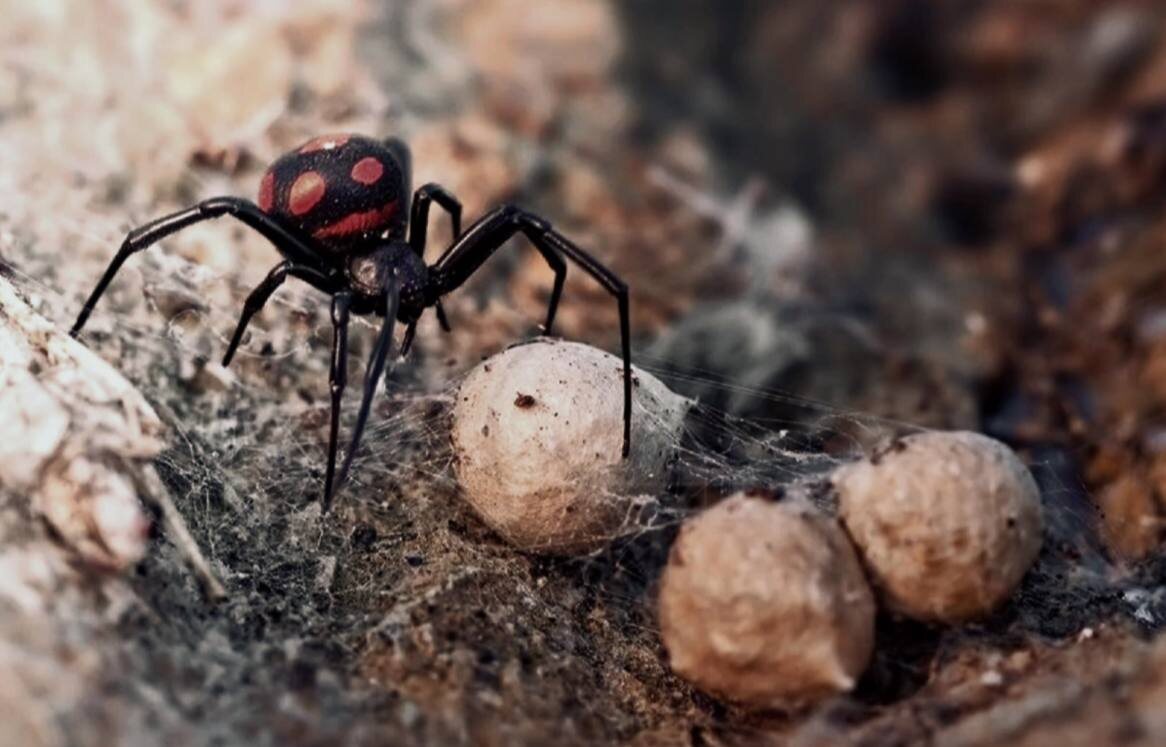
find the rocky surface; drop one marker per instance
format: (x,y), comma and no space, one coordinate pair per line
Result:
(840,222)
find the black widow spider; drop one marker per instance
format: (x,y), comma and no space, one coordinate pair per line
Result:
(335,208)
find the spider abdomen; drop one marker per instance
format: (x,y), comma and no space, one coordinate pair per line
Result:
(343,190)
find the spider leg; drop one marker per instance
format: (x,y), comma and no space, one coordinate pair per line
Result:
(527,223)
(560,269)
(419,228)
(482,239)
(263,292)
(442,319)
(407,345)
(372,374)
(338,379)
(407,340)
(419,217)
(289,244)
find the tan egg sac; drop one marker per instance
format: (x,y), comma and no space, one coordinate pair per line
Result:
(946,522)
(765,604)
(538,436)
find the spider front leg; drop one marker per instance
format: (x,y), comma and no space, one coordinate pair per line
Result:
(290,245)
(372,374)
(337,380)
(490,232)
(263,292)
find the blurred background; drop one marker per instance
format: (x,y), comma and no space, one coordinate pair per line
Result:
(916,213)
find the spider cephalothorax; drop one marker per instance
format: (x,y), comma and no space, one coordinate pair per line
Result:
(337,208)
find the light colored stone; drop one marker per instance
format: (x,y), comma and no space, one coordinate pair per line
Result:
(72,425)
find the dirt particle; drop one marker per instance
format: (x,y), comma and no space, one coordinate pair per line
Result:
(895,446)
(302,675)
(363,536)
(767,494)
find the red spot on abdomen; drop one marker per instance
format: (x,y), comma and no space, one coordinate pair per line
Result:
(306,191)
(267,192)
(324,142)
(368,170)
(358,222)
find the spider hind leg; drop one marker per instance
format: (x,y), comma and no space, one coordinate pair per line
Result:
(494,229)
